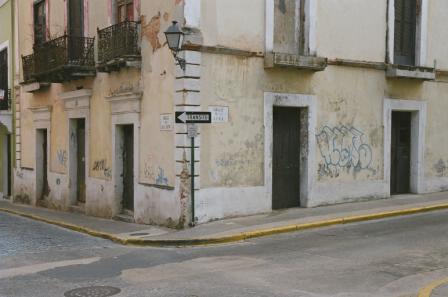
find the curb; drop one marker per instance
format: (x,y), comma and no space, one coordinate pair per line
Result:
(230,238)
(427,291)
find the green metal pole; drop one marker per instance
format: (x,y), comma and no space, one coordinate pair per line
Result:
(193,220)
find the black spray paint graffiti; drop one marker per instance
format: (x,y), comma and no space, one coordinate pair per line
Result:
(101,165)
(342,147)
(441,168)
(62,157)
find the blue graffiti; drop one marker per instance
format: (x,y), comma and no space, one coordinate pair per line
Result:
(62,157)
(344,147)
(161,180)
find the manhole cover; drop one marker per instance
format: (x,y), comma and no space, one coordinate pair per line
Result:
(93,292)
(139,234)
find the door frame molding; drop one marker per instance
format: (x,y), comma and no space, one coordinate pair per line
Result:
(42,121)
(418,123)
(307,178)
(77,106)
(125,110)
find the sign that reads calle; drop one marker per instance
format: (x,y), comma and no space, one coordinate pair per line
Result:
(193,117)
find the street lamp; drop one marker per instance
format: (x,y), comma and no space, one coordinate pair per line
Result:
(175,40)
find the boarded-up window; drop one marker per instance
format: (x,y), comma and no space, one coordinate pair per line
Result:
(290,26)
(125,10)
(405,32)
(40,21)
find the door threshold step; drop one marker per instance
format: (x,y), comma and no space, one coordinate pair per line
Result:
(42,203)
(78,208)
(124,217)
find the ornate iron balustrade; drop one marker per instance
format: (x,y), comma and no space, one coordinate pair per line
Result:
(28,68)
(60,59)
(5,103)
(119,42)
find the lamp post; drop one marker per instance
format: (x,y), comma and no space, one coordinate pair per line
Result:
(175,40)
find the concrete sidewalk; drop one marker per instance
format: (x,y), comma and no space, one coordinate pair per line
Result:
(232,230)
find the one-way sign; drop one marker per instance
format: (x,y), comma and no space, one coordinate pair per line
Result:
(193,117)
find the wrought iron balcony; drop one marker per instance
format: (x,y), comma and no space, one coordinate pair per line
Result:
(5,99)
(28,68)
(61,59)
(118,46)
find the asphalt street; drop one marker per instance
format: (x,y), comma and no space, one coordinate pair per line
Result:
(393,257)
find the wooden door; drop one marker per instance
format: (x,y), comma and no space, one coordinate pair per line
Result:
(9,143)
(128,167)
(125,10)
(401,153)
(76,31)
(286,158)
(405,32)
(44,164)
(40,22)
(76,18)
(81,160)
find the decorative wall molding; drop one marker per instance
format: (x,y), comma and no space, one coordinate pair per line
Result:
(127,102)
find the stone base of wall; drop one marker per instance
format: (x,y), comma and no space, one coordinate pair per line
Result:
(152,205)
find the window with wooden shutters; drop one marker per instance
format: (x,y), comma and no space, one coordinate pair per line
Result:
(40,22)
(125,10)
(405,32)
(4,79)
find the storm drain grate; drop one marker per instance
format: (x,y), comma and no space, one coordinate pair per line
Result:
(139,234)
(93,292)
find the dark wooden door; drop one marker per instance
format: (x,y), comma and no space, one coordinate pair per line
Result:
(9,149)
(76,18)
(405,32)
(40,22)
(286,158)
(81,160)
(125,10)
(401,153)
(128,167)
(46,187)
(76,31)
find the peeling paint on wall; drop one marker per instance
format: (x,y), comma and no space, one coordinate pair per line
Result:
(151,31)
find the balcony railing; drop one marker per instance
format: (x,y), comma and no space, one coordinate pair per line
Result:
(61,59)
(28,68)
(5,99)
(118,44)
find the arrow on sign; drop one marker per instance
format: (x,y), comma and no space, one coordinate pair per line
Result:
(193,117)
(182,117)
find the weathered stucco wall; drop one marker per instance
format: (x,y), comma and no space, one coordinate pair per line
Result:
(342,24)
(233,23)
(155,179)
(436,33)
(436,157)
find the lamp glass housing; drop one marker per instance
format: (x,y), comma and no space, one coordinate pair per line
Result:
(174,37)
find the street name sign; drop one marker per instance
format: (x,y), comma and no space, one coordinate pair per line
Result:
(193,117)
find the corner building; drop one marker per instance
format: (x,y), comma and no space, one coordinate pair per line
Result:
(314,103)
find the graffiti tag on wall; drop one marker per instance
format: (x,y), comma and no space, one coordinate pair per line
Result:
(101,166)
(342,148)
(62,157)
(158,178)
